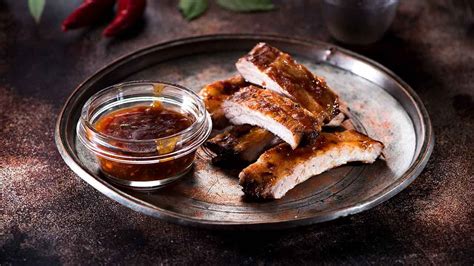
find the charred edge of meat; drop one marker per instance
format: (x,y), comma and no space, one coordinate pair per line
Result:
(240,145)
(223,145)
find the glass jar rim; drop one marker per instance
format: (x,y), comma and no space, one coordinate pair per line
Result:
(196,123)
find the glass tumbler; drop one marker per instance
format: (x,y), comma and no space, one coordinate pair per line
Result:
(358,21)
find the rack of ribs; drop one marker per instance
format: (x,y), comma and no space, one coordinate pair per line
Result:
(278,126)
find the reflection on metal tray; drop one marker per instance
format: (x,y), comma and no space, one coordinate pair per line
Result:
(381,105)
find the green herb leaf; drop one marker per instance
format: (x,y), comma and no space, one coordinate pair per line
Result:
(192,9)
(246,5)
(36,8)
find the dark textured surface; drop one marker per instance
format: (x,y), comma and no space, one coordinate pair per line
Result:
(51,216)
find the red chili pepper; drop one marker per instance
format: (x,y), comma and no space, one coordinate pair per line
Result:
(128,13)
(89,12)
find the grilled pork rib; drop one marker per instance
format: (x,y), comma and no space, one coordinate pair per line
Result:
(272,69)
(216,93)
(271,111)
(240,144)
(281,168)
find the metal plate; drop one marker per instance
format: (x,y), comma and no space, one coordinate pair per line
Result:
(382,106)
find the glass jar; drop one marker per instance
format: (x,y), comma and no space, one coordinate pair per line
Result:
(144,163)
(358,21)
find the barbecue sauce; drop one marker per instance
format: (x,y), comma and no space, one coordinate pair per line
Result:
(153,122)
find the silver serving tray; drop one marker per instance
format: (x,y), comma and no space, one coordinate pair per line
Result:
(382,106)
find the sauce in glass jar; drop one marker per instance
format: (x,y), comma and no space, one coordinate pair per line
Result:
(144,141)
(145,123)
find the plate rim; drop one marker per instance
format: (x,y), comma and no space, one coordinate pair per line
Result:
(136,204)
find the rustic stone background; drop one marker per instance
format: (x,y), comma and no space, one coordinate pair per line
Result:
(48,215)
